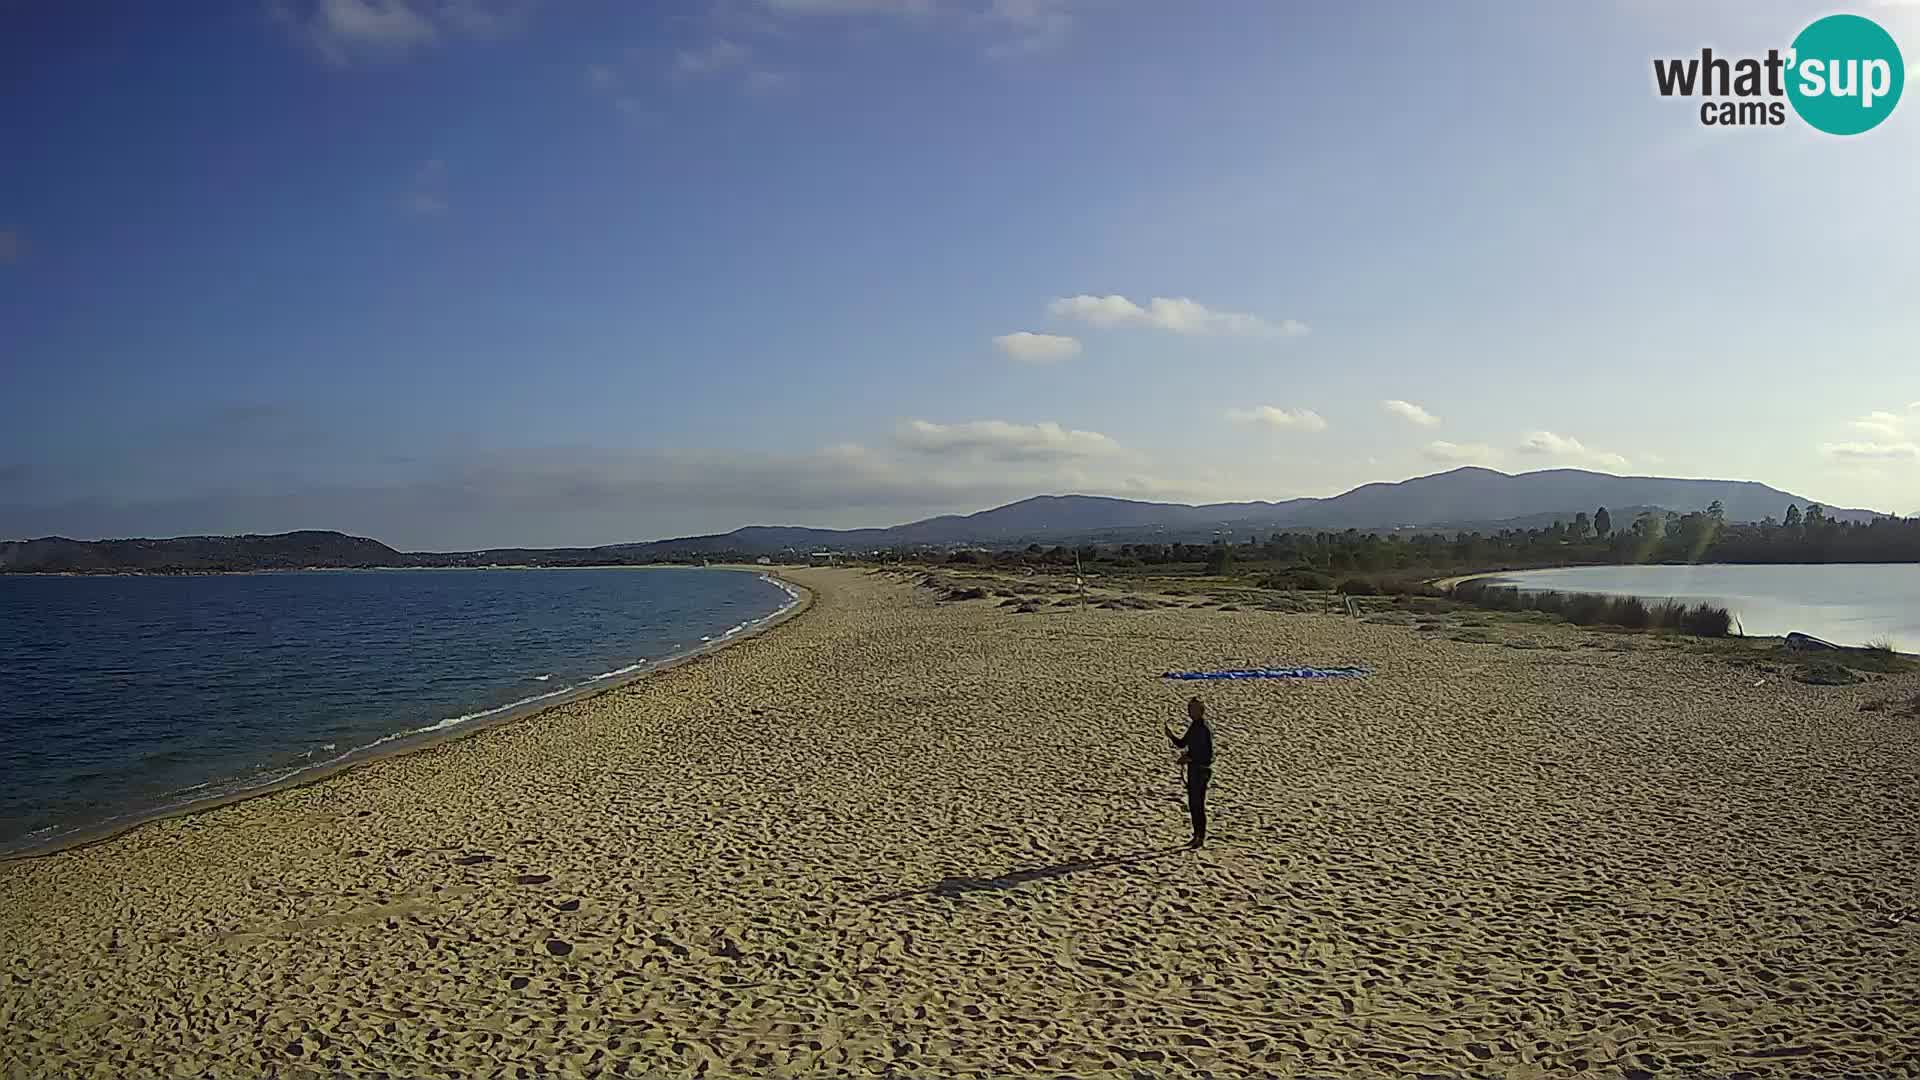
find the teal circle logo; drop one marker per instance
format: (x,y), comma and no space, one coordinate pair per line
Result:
(1845,74)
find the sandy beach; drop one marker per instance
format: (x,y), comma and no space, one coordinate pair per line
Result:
(900,836)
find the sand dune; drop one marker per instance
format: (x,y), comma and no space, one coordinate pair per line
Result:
(903,837)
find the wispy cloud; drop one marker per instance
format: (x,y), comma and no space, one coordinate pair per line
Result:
(1032,26)
(1871,452)
(486,18)
(1177,315)
(718,55)
(1411,413)
(1893,435)
(346,31)
(1032,348)
(612,83)
(1569,449)
(850,7)
(762,81)
(1886,424)
(1457,453)
(729,58)
(1882,423)
(1001,440)
(427,195)
(1016,27)
(11,246)
(545,495)
(1272,416)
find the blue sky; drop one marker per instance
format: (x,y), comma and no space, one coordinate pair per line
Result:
(455,273)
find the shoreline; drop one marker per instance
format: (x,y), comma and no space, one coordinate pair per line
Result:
(1449,582)
(1898,639)
(4,573)
(416,741)
(910,835)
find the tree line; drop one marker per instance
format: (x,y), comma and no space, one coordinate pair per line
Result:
(1800,536)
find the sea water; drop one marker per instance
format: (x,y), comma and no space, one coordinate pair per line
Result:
(1845,603)
(123,696)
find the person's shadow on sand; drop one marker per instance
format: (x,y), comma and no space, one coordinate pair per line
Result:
(951,887)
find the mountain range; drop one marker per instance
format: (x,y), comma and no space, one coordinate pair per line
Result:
(1461,499)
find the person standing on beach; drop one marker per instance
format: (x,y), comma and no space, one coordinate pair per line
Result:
(1197,756)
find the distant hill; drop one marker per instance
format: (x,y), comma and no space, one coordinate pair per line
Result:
(1468,499)
(196,554)
(1484,494)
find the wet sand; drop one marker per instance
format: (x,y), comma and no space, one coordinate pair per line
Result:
(898,836)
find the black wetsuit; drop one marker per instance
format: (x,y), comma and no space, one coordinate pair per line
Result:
(1198,743)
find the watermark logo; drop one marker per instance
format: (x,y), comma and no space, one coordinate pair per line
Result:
(1842,75)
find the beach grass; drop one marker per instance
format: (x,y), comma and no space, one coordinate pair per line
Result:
(1595,609)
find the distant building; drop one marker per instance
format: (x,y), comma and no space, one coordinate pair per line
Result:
(823,558)
(764,561)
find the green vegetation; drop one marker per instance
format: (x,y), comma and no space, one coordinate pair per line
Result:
(1389,577)
(1395,562)
(1592,609)
(1878,658)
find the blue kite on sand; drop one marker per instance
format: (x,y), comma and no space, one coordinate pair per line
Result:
(1274,673)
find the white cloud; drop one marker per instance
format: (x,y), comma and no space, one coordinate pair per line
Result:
(428,193)
(1272,416)
(1880,422)
(485,18)
(725,57)
(609,81)
(1549,444)
(1887,425)
(340,28)
(720,55)
(850,7)
(1034,26)
(343,31)
(1408,411)
(760,81)
(569,494)
(1867,452)
(1099,310)
(1892,436)
(1457,453)
(1018,27)
(1032,348)
(999,440)
(1178,315)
